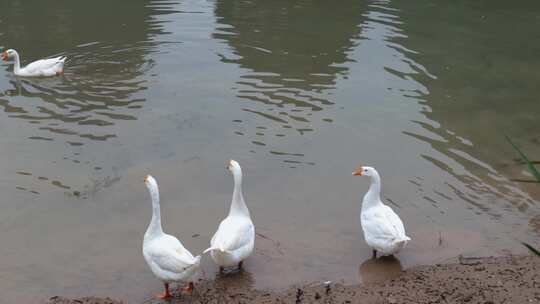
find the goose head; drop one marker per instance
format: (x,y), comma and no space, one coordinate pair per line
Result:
(234,167)
(150,183)
(6,55)
(365,171)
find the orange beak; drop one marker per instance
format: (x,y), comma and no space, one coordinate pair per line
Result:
(4,56)
(146,178)
(358,172)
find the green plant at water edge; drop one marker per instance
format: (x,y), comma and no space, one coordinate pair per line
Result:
(531,248)
(535,173)
(530,164)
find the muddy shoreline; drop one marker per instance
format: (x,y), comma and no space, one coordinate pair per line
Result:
(510,279)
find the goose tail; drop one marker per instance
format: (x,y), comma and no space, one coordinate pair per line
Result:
(222,250)
(402,241)
(197,262)
(195,265)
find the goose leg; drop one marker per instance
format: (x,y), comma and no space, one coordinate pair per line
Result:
(166,294)
(188,290)
(240,264)
(374,253)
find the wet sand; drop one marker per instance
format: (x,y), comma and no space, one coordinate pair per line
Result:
(510,279)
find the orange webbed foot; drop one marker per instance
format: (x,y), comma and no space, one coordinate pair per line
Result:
(166,294)
(188,290)
(163,296)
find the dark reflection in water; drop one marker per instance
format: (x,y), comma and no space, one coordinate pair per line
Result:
(475,94)
(379,270)
(107,57)
(287,81)
(234,278)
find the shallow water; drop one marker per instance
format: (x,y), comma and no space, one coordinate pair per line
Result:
(300,94)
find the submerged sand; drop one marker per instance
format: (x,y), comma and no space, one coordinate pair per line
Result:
(473,280)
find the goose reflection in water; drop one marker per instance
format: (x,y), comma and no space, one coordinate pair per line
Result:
(379,270)
(234,279)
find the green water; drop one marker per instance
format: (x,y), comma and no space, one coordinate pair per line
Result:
(300,93)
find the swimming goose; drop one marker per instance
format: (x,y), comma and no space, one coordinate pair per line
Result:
(383,229)
(164,253)
(234,240)
(39,68)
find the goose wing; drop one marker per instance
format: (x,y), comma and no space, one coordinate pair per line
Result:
(383,223)
(233,233)
(170,255)
(394,220)
(45,64)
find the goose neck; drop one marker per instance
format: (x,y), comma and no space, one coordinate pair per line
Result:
(154,228)
(238,205)
(373,196)
(17,63)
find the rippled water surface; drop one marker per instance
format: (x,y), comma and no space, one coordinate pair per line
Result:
(300,93)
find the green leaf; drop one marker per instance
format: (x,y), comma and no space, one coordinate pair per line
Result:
(525,180)
(531,248)
(530,166)
(536,162)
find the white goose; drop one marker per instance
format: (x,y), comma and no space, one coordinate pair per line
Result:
(39,68)
(383,229)
(234,240)
(165,254)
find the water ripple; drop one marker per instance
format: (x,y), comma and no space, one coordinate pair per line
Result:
(286,82)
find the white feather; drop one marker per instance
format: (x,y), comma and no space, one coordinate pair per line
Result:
(164,253)
(383,229)
(234,239)
(38,68)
